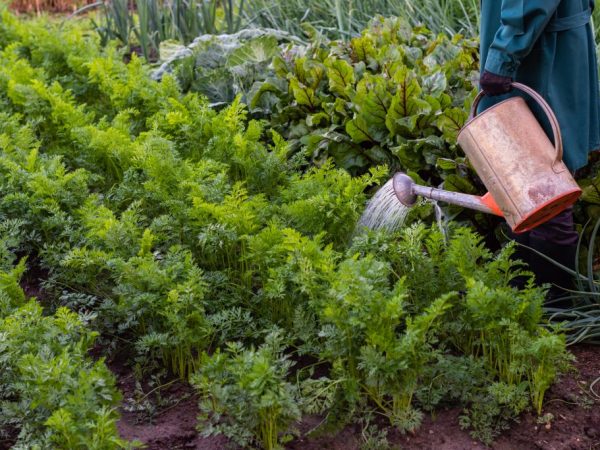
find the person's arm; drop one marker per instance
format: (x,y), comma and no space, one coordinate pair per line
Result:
(522,23)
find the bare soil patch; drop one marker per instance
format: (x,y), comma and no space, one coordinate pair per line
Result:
(574,406)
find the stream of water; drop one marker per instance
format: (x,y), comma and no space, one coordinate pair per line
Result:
(384,211)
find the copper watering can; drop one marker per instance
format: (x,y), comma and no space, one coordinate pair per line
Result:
(528,182)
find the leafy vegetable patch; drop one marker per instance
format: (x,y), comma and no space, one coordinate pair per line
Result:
(204,245)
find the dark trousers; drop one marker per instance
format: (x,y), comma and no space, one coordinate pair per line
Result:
(557,240)
(559,230)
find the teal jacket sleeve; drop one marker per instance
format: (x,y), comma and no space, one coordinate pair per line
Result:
(522,23)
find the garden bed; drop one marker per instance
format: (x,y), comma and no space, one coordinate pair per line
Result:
(574,424)
(215,261)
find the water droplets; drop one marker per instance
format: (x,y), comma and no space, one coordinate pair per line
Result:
(384,211)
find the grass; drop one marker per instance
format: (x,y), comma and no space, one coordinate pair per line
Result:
(582,321)
(344,18)
(147,23)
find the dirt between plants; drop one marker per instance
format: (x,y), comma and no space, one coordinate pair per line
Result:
(574,424)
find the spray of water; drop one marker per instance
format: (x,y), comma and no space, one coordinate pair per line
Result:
(441,220)
(384,211)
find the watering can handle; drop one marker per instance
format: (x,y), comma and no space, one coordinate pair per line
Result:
(544,105)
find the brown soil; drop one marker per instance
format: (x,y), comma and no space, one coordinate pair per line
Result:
(47,6)
(574,406)
(166,421)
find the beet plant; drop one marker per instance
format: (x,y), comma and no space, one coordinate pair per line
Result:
(395,95)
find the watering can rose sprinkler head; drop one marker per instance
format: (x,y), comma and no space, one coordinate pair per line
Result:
(403,188)
(407,190)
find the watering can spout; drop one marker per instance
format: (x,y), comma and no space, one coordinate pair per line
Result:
(407,191)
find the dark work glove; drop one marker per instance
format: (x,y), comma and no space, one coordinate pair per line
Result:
(492,84)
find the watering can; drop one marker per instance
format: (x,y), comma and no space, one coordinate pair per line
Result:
(523,171)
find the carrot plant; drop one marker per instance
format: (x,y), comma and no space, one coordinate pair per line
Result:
(175,229)
(51,393)
(291,269)
(369,338)
(539,361)
(248,389)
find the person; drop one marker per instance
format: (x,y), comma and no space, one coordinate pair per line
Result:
(549,46)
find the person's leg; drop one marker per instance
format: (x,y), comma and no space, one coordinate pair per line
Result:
(556,239)
(559,230)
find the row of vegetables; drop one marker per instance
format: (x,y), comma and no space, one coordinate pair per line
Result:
(217,242)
